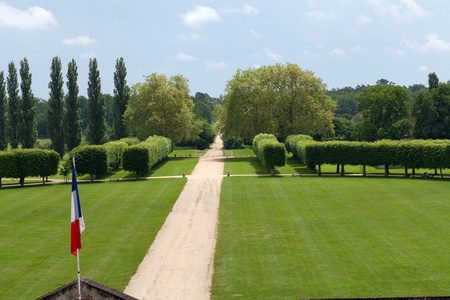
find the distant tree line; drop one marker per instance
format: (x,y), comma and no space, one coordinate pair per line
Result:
(389,111)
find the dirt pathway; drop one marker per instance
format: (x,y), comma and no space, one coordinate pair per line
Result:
(179,264)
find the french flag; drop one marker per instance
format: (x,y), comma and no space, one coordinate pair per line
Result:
(77,222)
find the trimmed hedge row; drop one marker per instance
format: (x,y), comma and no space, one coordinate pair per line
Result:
(143,156)
(89,159)
(114,151)
(292,140)
(270,152)
(431,154)
(21,163)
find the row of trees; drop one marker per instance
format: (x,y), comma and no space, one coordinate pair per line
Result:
(17,112)
(388,111)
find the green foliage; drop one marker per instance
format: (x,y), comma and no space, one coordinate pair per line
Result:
(292,140)
(280,99)
(142,157)
(121,98)
(205,138)
(56,108)
(233,143)
(385,113)
(72,118)
(161,106)
(114,151)
(90,159)
(3,101)
(21,163)
(28,124)
(413,154)
(14,105)
(97,124)
(270,152)
(131,141)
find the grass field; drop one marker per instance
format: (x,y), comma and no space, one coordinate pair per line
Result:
(302,237)
(252,165)
(122,219)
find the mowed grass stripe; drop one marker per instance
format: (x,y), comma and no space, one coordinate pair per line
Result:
(332,237)
(122,220)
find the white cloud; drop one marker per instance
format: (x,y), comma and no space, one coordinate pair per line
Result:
(244,9)
(199,16)
(190,37)
(432,44)
(271,55)
(435,44)
(362,19)
(82,40)
(397,52)
(88,55)
(423,69)
(321,15)
(358,49)
(401,11)
(255,34)
(310,55)
(184,57)
(216,65)
(337,52)
(34,18)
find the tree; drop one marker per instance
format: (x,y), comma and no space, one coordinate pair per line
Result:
(162,106)
(41,117)
(3,99)
(29,124)
(121,98)
(433,81)
(280,99)
(72,118)
(97,124)
(56,108)
(14,105)
(385,113)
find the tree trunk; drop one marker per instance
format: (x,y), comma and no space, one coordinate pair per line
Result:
(272,171)
(43,180)
(435,171)
(22,181)
(406,171)
(386,170)
(137,175)
(337,169)
(0,182)
(342,170)
(92,178)
(364,170)
(413,171)
(320,170)
(442,176)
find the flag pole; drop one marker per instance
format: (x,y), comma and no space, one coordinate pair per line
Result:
(79,279)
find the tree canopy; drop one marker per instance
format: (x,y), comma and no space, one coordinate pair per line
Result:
(280,99)
(162,106)
(385,113)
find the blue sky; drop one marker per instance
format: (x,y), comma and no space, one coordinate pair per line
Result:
(344,42)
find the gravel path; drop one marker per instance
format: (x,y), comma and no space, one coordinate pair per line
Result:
(179,264)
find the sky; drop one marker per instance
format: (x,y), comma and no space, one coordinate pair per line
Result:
(344,42)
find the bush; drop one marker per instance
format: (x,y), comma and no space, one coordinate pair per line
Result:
(270,152)
(90,160)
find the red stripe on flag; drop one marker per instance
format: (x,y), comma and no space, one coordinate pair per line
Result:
(75,236)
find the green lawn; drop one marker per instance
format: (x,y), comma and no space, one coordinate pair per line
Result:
(239,152)
(187,152)
(122,220)
(302,237)
(252,165)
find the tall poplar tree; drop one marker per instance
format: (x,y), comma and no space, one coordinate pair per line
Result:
(29,123)
(3,138)
(56,108)
(97,119)
(72,118)
(14,105)
(121,97)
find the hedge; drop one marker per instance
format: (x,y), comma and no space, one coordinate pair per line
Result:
(270,152)
(114,151)
(413,154)
(22,163)
(89,159)
(142,157)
